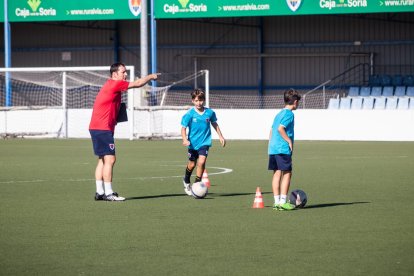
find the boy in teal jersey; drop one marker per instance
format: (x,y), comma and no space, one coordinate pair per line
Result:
(280,150)
(198,141)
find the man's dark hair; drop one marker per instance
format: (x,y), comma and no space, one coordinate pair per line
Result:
(115,67)
(290,96)
(198,93)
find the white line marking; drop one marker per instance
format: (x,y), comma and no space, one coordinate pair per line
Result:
(221,171)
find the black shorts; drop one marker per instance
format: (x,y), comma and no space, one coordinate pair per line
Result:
(282,162)
(103,142)
(194,154)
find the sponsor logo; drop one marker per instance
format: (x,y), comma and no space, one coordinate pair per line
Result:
(294,4)
(135,7)
(35,10)
(183,6)
(332,4)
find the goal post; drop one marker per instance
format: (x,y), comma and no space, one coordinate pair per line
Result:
(163,103)
(57,102)
(50,94)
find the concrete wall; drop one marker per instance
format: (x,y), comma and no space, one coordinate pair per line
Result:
(347,125)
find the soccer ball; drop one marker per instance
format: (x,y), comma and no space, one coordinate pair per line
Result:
(298,198)
(199,190)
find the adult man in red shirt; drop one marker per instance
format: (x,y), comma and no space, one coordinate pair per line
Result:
(102,127)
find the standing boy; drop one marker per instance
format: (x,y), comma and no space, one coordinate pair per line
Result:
(102,127)
(280,150)
(198,120)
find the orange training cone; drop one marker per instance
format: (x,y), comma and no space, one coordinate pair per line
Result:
(258,200)
(205,179)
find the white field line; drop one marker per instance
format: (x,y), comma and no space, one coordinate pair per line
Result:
(221,171)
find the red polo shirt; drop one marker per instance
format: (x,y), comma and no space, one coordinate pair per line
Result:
(106,106)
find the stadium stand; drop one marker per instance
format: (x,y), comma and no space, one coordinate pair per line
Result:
(399,91)
(368,103)
(392,103)
(374,80)
(356,103)
(410,91)
(345,103)
(376,91)
(365,91)
(397,80)
(353,91)
(333,103)
(386,80)
(388,91)
(408,80)
(380,103)
(403,103)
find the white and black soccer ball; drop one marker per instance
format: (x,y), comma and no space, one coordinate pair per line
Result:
(298,198)
(199,190)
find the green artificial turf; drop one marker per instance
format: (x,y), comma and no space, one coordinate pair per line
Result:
(358,220)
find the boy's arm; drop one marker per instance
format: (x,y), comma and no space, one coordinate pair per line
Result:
(142,81)
(217,128)
(184,136)
(282,132)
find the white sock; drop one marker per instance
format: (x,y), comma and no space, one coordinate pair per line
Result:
(282,199)
(277,199)
(99,187)
(108,188)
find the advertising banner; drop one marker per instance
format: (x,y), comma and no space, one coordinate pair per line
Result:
(58,10)
(236,8)
(53,10)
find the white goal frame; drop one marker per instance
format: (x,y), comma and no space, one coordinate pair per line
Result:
(63,107)
(61,121)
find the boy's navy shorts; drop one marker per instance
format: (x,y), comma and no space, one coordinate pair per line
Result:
(103,142)
(194,154)
(282,162)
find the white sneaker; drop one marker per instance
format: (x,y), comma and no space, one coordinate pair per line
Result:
(187,188)
(114,197)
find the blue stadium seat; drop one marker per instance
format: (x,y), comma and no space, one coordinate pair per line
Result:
(368,103)
(333,103)
(376,91)
(353,91)
(391,103)
(365,91)
(408,80)
(345,103)
(386,80)
(399,91)
(374,80)
(397,80)
(403,103)
(410,91)
(380,103)
(357,103)
(388,91)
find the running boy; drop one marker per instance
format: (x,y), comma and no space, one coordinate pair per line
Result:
(198,141)
(280,150)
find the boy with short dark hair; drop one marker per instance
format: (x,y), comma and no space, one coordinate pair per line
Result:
(280,150)
(198,141)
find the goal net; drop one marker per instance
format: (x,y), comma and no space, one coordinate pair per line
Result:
(57,102)
(159,106)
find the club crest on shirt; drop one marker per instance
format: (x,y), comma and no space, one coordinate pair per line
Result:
(208,120)
(294,4)
(112,146)
(135,7)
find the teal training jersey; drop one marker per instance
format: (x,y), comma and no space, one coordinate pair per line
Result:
(199,132)
(278,145)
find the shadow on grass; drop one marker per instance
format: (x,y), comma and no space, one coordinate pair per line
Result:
(154,196)
(324,205)
(236,194)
